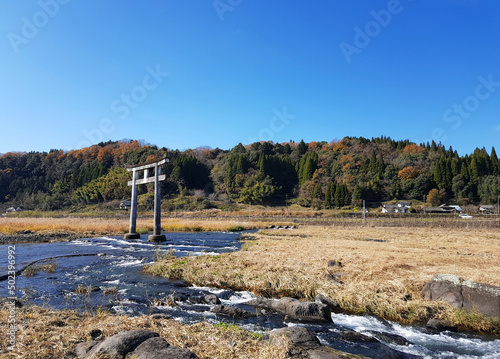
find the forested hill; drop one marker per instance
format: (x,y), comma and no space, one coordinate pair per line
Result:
(320,174)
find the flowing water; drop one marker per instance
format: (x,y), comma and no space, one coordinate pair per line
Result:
(110,262)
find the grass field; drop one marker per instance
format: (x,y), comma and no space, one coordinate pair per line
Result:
(119,226)
(383,269)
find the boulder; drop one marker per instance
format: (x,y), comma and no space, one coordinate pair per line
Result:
(158,348)
(234,312)
(151,345)
(464,294)
(353,336)
(120,344)
(295,309)
(298,336)
(330,303)
(483,297)
(304,344)
(205,299)
(445,287)
(390,338)
(138,344)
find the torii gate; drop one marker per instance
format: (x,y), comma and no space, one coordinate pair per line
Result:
(156,236)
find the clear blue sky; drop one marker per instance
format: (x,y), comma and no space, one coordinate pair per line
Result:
(75,72)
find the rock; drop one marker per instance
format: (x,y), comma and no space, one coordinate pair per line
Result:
(82,349)
(332,263)
(295,309)
(234,312)
(336,276)
(483,297)
(225,294)
(95,334)
(159,348)
(390,338)
(122,343)
(390,353)
(298,336)
(205,299)
(353,336)
(330,303)
(375,344)
(445,287)
(195,308)
(441,325)
(464,294)
(151,345)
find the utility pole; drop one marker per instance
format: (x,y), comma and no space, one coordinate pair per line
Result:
(249,209)
(498,205)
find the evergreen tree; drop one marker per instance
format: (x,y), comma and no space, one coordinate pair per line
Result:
(302,147)
(330,195)
(316,191)
(495,164)
(307,166)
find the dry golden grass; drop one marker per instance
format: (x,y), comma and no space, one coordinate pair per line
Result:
(43,333)
(379,277)
(110,226)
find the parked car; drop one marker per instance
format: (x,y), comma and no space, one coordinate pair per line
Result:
(465,216)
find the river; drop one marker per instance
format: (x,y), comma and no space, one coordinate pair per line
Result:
(110,262)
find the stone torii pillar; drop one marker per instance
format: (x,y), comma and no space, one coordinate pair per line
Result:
(156,236)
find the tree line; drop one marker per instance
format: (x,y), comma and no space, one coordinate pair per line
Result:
(336,174)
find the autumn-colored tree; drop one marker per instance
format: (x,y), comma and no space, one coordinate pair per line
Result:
(436,197)
(408,173)
(413,149)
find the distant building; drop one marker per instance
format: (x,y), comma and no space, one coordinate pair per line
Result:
(13,209)
(444,208)
(401,207)
(487,209)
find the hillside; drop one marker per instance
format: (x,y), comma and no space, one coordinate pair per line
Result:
(316,174)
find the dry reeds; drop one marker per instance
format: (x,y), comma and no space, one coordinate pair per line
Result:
(383,269)
(44,333)
(118,226)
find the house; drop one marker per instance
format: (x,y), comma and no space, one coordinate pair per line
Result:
(443,209)
(401,207)
(13,209)
(487,209)
(453,208)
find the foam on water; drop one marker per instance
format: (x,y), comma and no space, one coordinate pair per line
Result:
(432,345)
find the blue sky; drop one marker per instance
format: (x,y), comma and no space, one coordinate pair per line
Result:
(183,74)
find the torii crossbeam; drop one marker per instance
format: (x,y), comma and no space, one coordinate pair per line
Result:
(156,236)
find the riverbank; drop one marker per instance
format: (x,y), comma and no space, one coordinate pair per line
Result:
(377,271)
(52,229)
(45,333)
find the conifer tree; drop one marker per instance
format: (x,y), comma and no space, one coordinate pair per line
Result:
(302,147)
(495,164)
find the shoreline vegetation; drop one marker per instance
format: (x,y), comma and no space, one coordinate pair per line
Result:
(46,333)
(377,270)
(381,272)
